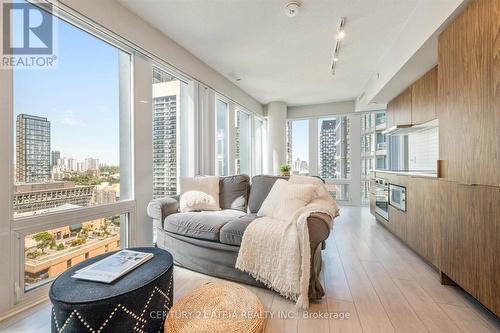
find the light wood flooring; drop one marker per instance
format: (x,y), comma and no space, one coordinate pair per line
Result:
(369,275)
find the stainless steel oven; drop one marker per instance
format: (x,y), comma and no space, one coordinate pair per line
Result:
(397,197)
(382,198)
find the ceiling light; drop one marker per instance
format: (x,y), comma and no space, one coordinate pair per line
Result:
(340,35)
(292,8)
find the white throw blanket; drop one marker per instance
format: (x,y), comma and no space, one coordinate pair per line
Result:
(278,254)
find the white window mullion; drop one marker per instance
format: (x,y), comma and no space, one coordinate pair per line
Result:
(6,176)
(231,133)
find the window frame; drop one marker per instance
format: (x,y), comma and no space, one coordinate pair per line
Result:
(262,144)
(251,136)
(228,135)
(20,227)
(314,131)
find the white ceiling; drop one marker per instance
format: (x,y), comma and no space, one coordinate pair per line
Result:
(280,58)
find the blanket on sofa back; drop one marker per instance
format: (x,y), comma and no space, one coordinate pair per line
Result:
(277,253)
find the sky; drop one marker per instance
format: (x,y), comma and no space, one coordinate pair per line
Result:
(79,98)
(300,140)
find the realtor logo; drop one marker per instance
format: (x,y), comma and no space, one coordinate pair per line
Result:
(28,36)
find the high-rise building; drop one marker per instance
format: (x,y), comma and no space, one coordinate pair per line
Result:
(71,164)
(80,167)
(296,165)
(342,148)
(165,98)
(373,149)
(32,149)
(90,164)
(327,160)
(304,168)
(55,156)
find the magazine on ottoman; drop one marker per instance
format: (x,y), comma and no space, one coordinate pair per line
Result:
(111,268)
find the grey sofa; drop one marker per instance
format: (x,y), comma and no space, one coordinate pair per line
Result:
(208,242)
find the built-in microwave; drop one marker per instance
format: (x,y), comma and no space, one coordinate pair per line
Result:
(397,197)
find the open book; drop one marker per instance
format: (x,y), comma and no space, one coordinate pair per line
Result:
(111,268)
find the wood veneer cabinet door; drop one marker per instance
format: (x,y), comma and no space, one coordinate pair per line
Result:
(391,114)
(397,222)
(468,95)
(470,228)
(424,94)
(399,109)
(403,114)
(423,232)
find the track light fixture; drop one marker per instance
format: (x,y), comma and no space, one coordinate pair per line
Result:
(339,37)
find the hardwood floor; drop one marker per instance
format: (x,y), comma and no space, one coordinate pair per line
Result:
(370,277)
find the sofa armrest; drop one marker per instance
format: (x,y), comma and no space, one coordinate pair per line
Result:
(319,230)
(159,209)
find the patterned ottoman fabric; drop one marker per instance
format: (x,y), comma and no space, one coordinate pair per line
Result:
(137,302)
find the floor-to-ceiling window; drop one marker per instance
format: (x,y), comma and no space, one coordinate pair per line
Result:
(71,142)
(322,147)
(334,154)
(243,163)
(222,137)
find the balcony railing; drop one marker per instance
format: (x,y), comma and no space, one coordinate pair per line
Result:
(382,146)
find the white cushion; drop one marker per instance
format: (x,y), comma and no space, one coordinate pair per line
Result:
(199,193)
(285,199)
(321,191)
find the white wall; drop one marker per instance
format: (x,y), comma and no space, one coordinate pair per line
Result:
(318,110)
(121,21)
(276,148)
(423,150)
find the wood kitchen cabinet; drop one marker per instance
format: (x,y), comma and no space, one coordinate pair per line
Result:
(397,222)
(424,95)
(423,232)
(470,229)
(468,95)
(399,109)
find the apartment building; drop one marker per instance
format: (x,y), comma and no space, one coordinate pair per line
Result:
(32,148)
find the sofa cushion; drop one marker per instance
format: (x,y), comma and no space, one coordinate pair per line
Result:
(232,232)
(202,225)
(233,192)
(261,186)
(199,193)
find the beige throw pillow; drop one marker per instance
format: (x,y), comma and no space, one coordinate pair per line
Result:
(321,191)
(285,199)
(199,193)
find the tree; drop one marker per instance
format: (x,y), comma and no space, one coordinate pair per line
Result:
(43,240)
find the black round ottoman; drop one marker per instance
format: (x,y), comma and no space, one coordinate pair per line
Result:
(137,302)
